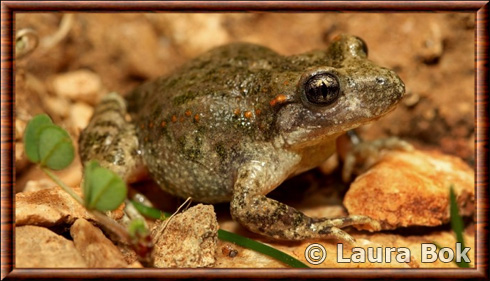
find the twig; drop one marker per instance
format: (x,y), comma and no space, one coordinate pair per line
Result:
(65,26)
(167,221)
(26,41)
(63,185)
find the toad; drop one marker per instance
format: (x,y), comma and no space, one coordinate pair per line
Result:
(235,122)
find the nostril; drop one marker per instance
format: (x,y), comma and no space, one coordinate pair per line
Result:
(380,80)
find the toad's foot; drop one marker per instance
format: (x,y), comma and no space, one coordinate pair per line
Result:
(365,154)
(277,220)
(331,227)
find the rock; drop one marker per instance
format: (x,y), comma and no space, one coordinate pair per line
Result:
(47,207)
(139,52)
(412,189)
(21,161)
(329,165)
(37,185)
(181,27)
(128,253)
(37,247)
(71,176)
(96,249)
(230,255)
(433,44)
(189,240)
(57,107)
(80,85)
(80,114)
(20,127)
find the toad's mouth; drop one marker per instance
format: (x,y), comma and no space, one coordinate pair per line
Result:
(309,135)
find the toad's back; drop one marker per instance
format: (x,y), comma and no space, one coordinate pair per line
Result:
(196,126)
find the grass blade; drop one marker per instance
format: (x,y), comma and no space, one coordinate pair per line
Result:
(456,223)
(261,248)
(148,212)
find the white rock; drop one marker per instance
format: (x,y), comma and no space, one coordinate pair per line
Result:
(80,85)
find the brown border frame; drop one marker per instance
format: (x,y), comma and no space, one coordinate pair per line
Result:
(8,8)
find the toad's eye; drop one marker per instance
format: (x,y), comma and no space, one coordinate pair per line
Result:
(322,89)
(363,45)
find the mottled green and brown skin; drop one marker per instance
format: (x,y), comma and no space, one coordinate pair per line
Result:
(234,123)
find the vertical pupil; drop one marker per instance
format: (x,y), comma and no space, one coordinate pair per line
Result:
(322,89)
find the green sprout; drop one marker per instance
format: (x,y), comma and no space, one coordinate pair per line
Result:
(51,147)
(137,228)
(457,224)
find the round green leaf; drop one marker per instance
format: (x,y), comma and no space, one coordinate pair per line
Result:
(56,149)
(31,136)
(106,189)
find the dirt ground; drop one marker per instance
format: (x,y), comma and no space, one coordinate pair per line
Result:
(433,53)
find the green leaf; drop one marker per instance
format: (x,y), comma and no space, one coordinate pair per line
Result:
(456,222)
(31,136)
(234,238)
(48,144)
(105,190)
(148,211)
(56,149)
(87,174)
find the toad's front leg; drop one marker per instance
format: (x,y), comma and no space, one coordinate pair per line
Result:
(251,208)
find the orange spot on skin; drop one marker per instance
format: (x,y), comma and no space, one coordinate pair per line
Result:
(281,98)
(196,117)
(150,125)
(237,111)
(174,118)
(247,114)
(163,124)
(257,111)
(142,126)
(188,112)
(278,99)
(181,119)
(146,139)
(286,83)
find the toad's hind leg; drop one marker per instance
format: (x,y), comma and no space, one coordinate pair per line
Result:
(266,216)
(110,139)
